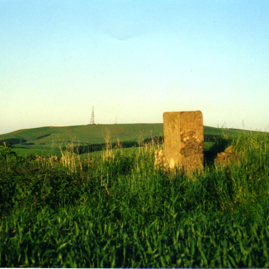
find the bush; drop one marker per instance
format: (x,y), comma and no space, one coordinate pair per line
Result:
(6,152)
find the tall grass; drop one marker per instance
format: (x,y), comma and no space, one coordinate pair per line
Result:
(70,160)
(119,211)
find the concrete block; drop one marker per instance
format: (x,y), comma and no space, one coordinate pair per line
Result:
(184,139)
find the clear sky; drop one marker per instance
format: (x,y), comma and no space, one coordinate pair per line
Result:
(134,60)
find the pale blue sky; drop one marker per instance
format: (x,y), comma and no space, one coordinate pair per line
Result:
(134,60)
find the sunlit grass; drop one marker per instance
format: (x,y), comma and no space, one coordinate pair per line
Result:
(117,210)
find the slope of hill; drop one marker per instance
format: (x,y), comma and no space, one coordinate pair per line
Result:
(49,138)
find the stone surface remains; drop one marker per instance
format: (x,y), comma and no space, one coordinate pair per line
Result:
(159,158)
(183,141)
(227,157)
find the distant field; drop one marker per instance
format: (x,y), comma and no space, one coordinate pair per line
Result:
(125,212)
(45,141)
(93,134)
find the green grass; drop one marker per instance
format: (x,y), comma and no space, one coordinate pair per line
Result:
(36,152)
(24,152)
(117,210)
(45,141)
(93,134)
(41,141)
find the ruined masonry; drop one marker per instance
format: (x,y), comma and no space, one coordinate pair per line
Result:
(183,141)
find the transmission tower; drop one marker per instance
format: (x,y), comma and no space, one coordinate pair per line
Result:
(92,117)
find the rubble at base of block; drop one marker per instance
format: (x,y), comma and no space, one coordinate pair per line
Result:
(227,157)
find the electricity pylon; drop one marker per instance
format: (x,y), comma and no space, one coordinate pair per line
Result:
(92,117)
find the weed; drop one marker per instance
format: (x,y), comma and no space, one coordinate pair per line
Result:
(117,210)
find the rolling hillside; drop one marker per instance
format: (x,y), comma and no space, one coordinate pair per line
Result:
(38,140)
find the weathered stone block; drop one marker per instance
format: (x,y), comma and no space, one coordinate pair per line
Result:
(227,157)
(183,139)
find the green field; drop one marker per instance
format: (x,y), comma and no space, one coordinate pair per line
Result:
(115,209)
(45,141)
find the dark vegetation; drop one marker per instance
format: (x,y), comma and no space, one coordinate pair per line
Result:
(118,210)
(91,138)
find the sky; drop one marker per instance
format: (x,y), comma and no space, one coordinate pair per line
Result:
(133,60)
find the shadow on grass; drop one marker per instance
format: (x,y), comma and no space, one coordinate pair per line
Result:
(220,145)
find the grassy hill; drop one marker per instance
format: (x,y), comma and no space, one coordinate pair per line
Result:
(46,140)
(122,211)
